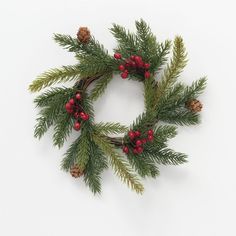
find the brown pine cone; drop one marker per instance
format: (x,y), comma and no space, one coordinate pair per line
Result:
(76,172)
(83,35)
(194,105)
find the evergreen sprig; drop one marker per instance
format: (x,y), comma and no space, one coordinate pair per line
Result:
(100,86)
(110,128)
(120,166)
(50,77)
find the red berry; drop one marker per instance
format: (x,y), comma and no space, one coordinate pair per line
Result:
(144,141)
(138,59)
(135,151)
(77,126)
(131,134)
(125,149)
(139,149)
(76,115)
(133,64)
(70,111)
(82,114)
(150,137)
(137,133)
(86,117)
(127,65)
(78,96)
(146,65)
(132,57)
(147,74)
(138,142)
(124,75)
(72,101)
(68,106)
(117,55)
(121,67)
(150,132)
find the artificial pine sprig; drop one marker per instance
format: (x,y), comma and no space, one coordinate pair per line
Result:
(140,57)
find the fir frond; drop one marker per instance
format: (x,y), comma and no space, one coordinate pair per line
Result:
(195,89)
(166,156)
(50,77)
(96,164)
(180,117)
(52,103)
(60,94)
(67,42)
(120,166)
(143,165)
(100,86)
(161,56)
(82,155)
(146,41)
(149,94)
(110,128)
(62,129)
(174,69)
(127,42)
(71,155)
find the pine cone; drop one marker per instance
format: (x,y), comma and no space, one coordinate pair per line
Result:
(83,35)
(76,172)
(194,105)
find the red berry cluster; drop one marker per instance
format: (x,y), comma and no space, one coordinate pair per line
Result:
(133,63)
(137,141)
(74,108)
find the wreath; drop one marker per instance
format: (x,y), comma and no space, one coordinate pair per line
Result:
(139,149)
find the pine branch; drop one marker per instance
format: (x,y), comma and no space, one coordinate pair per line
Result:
(174,69)
(110,128)
(53,102)
(120,166)
(62,95)
(166,156)
(95,166)
(67,42)
(149,94)
(178,95)
(143,165)
(100,86)
(62,129)
(71,155)
(146,40)
(50,77)
(180,117)
(126,40)
(161,57)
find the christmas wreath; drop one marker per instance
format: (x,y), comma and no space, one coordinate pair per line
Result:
(143,146)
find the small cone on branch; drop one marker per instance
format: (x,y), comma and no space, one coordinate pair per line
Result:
(194,105)
(83,35)
(76,172)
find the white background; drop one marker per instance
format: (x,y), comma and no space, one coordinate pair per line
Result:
(38,199)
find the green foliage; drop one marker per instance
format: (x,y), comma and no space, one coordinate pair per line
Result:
(54,95)
(52,103)
(67,42)
(100,86)
(96,164)
(110,128)
(71,155)
(120,166)
(180,116)
(173,69)
(62,128)
(127,42)
(50,77)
